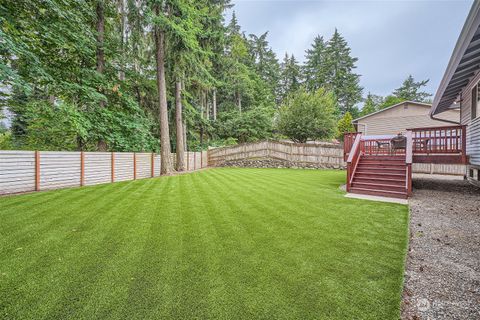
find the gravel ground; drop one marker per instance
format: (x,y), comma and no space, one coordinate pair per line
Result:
(442,279)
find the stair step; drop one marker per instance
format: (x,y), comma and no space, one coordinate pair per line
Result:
(383,165)
(379,175)
(383,158)
(383,193)
(399,181)
(379,186)
(384,170)
(383,162)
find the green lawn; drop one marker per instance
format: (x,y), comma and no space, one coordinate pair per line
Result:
(216,244)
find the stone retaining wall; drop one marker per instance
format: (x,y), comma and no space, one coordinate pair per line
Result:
(273,163)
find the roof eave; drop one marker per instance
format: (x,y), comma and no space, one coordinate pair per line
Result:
(468,31)
(391,107)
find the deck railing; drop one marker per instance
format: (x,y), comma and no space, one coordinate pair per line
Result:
(348,140)
(380,147)
(446,144)
(451,139)
(353,158)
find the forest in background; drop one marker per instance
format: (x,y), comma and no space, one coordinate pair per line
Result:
(162,75)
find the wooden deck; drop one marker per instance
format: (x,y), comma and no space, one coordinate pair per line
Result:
(376,167)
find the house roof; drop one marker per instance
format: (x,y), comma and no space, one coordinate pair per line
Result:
(394,106)
(463,65)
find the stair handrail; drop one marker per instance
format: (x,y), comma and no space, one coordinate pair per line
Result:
(352,160)
(408,162)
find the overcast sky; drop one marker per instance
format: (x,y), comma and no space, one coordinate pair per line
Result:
(391,39)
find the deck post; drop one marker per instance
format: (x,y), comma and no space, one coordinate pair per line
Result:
(408,162)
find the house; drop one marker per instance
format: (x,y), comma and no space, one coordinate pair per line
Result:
(402,116)
(379,163)
(382,164)
(461,84)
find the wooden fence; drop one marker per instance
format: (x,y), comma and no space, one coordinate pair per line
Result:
(323,155)
(25,171)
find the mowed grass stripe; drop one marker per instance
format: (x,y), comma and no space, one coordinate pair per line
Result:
(217,244)
(62,250)
(43,217)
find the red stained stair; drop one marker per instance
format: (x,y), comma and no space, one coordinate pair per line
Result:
(380,176)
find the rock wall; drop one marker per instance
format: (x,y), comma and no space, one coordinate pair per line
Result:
(274,163)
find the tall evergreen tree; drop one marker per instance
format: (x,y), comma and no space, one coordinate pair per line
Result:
(291,76)
(314,68)
(411,90)
(371,104)
(339,71)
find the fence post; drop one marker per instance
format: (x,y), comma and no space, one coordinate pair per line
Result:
(112,165)
(82,169)
(201,159)
(134,166)
(188,160)
(37,170)
(194,160)
(153,164)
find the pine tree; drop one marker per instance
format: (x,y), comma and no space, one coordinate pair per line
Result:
(291,76)
(266,62)
(339,73)
(411,90)
(371,104)
(345,125)
(315,64)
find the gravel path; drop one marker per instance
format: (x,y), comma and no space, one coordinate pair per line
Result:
(443,265)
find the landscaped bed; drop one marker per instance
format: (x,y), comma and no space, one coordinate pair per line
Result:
(216,244)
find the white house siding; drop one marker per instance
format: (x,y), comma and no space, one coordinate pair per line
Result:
(473,126)
(473,141)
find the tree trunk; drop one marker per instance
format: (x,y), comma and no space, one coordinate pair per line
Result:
(101,144)
(123,23)
(166,162)
(214,104)
(207,104)
(179,125)
(239,101)
(185,148)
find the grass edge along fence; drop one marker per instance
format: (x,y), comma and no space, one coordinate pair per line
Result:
(27,171)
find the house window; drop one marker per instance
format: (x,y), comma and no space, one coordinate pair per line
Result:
(471,173)
(475,102)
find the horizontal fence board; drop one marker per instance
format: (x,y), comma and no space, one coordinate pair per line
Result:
(17,171)
(59,169)
(123,166)
(98,168)
(64,169)
(144,161)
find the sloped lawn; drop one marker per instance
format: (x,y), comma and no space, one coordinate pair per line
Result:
(216,244)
